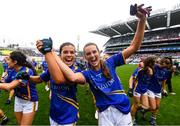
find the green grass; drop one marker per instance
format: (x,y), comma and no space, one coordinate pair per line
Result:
(168,114)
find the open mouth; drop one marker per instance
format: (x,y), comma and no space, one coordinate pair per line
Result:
(93,61)
(68,61)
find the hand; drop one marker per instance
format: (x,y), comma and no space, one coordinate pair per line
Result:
(130,92)
(139,11)
(44,45)
(22,75)
(164,93)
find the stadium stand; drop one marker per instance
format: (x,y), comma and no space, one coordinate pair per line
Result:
(162,35)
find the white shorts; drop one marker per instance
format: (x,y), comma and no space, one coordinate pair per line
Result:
(138,94)
(25,106)
(53,123)
(113,117)
(153,95)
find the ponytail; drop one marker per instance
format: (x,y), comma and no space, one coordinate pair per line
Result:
(105,69)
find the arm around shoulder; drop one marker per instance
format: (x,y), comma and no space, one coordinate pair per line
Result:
(9,86)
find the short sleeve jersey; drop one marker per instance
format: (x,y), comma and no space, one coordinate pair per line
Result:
(26,89)
(64,106)
(160,74)
(108,92)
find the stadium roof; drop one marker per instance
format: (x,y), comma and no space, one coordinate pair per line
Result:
(158,19)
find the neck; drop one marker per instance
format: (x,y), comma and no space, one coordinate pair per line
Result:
(17,68)
(96,68)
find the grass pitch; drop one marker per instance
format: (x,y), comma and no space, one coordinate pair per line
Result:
(169,113)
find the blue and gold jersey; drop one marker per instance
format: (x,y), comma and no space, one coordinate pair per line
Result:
(160,74)
(44,65)
(64,106)
(5,66)
(143,80)
(134,75)
(26,89)
(108,92)
(34,63)
(136,72)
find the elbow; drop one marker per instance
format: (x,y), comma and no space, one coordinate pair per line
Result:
(72,79)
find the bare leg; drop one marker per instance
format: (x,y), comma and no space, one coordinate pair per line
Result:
(28,118)
(18,117)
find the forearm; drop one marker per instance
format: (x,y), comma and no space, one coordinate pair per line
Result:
(137,40)
(35,79)
(139,35)
(131,82)
(67,72)
(4,86)
(54,69)
(9,86)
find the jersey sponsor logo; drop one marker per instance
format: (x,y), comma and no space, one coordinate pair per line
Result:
(108,84)
(60,87)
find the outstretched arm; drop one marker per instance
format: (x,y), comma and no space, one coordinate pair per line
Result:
(9,86)
(139,35)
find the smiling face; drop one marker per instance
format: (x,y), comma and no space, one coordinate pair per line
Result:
(92,55)
(68,55)
(11,63)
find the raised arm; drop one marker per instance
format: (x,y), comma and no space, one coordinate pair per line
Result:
(139,35)
(53,67)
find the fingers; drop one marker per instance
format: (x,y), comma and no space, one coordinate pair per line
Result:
(39,44)
(140,6)
(145,11)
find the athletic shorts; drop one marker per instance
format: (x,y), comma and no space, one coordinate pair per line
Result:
(53,123)
(25,106)
(113,117)
(151,94)
(139,94)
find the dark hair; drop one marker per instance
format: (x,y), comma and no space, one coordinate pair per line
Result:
(105,69)
(21,60)
(149,62)
(65,44)
(170,60)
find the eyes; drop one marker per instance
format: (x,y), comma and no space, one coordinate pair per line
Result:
(93,52)
(68,52)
